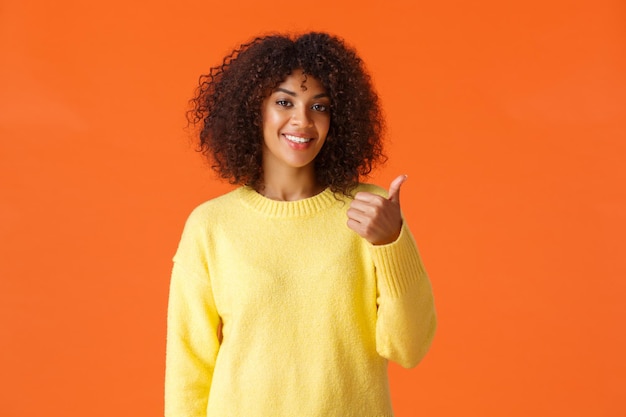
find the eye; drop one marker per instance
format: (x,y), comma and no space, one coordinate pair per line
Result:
(320,107)
(284,103)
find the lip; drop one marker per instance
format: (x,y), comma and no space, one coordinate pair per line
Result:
(307,138)
(298,146)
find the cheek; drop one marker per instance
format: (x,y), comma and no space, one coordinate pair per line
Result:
(271,119)
(324,125)
(271,125)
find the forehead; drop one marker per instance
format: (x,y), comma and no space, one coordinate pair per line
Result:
(299,81)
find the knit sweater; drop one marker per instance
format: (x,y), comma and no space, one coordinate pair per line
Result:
(279,309)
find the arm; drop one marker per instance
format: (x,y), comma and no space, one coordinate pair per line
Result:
(192,332)
(192,345)
(406,320)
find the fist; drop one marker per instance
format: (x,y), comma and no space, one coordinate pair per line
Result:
(377,219)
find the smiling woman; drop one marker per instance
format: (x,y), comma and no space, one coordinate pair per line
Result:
(296,119)
(290,294)
(229,99)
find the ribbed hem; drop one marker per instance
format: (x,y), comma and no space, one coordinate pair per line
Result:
(298,208)
(397,263)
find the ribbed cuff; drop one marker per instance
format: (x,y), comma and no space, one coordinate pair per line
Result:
(398,264)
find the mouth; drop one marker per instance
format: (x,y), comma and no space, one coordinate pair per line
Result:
(297,139)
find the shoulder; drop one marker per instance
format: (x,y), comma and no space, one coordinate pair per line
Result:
(224,202)
(211,210)
(200,224)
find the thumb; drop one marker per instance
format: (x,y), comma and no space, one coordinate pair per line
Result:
(394,188)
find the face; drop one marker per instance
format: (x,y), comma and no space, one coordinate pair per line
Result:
(295,122)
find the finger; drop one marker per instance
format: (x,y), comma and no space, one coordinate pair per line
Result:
(366,206)
(367,197)
(355,226)
(357,215)
(394,188)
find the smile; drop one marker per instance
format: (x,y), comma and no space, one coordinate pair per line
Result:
(297,139)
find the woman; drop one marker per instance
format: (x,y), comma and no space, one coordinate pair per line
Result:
(290,293)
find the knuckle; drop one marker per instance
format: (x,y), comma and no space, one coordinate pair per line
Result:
(376,211)
(366,222)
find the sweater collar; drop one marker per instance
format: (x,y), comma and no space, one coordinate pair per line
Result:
(296,208)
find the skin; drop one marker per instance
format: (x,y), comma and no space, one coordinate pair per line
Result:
(375,218)
(299,109)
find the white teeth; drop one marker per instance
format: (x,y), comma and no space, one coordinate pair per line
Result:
(298,139)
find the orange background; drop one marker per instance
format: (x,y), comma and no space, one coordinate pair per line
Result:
(508,119)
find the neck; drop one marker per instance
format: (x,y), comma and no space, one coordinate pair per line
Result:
(296,184)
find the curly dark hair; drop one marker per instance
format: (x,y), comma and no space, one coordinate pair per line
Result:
(227,106)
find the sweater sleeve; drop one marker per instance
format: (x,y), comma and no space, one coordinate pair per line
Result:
(406,319)
(192,333)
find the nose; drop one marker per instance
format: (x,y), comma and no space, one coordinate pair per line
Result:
(301,117)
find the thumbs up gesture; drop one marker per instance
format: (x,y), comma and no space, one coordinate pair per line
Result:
(375,218)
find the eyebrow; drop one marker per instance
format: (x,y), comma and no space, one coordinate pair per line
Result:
(293,94)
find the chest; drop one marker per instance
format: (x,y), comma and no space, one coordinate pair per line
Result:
(290,265)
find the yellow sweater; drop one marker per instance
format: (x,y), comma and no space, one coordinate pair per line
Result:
(310,311)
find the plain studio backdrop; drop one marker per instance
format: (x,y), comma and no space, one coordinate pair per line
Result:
(509,119)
